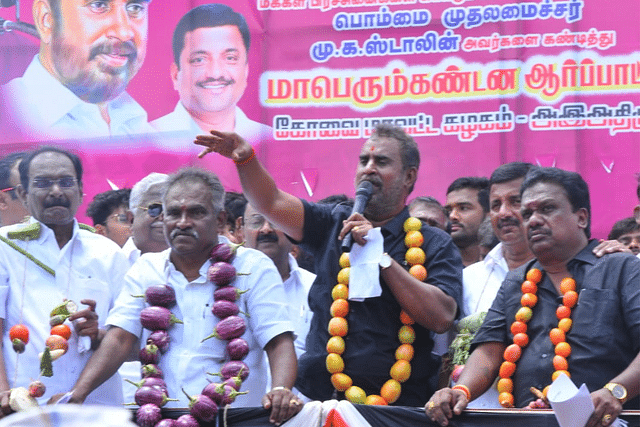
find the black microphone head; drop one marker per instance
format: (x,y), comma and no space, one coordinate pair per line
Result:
(365,188)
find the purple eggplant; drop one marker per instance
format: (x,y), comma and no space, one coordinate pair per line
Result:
(235,382)
(154,318)
(151,371)
(150,382)
(221,273)
(148,415)
(224,308)
(155,395)
(222,394)
(149,354)
(161,295)
(201,407)
(187,420)
(228,293)
(224,252)
(161,339)
(167,422)
(237,348)
(233,368)
(229,328)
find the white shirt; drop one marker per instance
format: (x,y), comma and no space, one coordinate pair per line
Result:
(181,120)
(131,251)
(480,284)
(296,289)
(42,108)
(188,360)
(89,266)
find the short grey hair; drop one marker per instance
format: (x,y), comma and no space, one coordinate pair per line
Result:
(140,189)
(194,175)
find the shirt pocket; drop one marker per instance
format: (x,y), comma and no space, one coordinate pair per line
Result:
(595,316)
(95,289)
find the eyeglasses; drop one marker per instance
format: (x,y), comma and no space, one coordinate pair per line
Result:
(154,210)
(121,218)
(256,222)
(64,182)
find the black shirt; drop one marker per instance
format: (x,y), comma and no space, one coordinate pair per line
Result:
(605,333)
(373,323)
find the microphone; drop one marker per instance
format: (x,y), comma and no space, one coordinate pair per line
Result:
(363,194)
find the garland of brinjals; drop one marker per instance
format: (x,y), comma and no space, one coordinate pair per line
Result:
(152,390)
(338,328)
(520,338)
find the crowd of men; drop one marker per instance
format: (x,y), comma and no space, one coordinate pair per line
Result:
(162,231)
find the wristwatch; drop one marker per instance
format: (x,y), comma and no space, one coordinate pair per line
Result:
(385,261)
(618,391)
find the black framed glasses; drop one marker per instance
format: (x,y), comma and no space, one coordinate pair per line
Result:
(154,209)
(64,182)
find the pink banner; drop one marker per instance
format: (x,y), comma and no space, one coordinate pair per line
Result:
(477,83)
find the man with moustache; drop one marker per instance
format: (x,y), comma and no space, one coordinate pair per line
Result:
(389,160)
(467,206)
(49,259)
(209,71)
(604,333)
(193,209)
(12,210)
(75,86)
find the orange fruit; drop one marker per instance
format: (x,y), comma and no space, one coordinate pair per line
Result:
(556,335)
(56,342)
(556,374)
(340,292)
(401,370)
(570,299)
(404,352)
(20,332)
(338,326)
(406,335)
(419,272)
(505,385)
(339,308)
(506,400)
(563,349)
(412,224)
(534,275)
(413,239)
(415,256)
(405,318)
(334,363)
(391,390)
(560,363)
(512,353)
(524,314)
(529,300)
(563,312)
(341,381)
(529,287)
(374,399)
(335,345)
(343,276)
(355,394)
(567,284)
(63,330)
(521,339)
(507,369)
(565,324)
(518,327)
(344,260)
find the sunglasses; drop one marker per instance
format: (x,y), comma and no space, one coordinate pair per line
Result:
(154,210)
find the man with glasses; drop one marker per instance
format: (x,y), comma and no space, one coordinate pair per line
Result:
(108,211)
(12,211)
(46,260)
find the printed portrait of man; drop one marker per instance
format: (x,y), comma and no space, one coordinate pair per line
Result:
(210,47)
(75,86)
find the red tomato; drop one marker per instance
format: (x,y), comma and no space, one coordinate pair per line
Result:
(19,331)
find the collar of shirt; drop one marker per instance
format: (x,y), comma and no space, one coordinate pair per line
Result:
(495,257)
(294,269)
(395,227)
(46,233)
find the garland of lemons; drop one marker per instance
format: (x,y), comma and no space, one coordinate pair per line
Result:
(520,338)
(338,328)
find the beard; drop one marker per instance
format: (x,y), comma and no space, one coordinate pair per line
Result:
(89,79)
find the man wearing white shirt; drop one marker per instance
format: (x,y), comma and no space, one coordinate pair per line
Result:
(193,210)
(210,69)
(72,263)
(75,86)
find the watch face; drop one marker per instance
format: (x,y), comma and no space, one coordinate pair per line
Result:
(618,391)
(385,261)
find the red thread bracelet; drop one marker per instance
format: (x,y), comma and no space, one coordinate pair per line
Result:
(247,160)
(464,389)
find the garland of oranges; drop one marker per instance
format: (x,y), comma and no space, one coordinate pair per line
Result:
(338,328)
(520,338)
